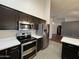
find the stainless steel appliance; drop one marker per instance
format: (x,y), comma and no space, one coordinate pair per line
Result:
(28,50)
(28,46)
(45,36)
(45,39)
(23,25)
(43,31)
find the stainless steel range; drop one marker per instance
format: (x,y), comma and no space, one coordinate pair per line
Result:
(28,46)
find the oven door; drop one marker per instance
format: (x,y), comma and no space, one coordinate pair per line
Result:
(28,49)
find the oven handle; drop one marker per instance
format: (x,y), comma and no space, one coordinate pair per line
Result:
(28,42)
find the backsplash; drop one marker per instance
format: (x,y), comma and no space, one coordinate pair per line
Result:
(27,32)
(7,33)
(11,33)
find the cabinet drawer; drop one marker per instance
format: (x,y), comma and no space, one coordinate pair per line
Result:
(69,45)
(12,49)
(3,52)
(39,44)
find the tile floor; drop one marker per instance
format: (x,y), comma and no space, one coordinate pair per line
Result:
(53,51)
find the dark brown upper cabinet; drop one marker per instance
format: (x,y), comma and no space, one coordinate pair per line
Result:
(22,16)
(8,18)
(25,17)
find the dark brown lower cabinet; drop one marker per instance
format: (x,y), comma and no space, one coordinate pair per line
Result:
(70,51)
(14,54)
(39,44)
(11,53)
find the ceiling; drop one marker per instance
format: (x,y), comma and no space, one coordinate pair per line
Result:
(65,8)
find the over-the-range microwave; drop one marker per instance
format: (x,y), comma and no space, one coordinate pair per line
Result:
(23,25)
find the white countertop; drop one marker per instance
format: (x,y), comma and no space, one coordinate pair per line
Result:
(8,42)
(69,40)
(37,36)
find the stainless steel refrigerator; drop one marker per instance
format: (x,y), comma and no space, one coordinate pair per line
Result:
(43,31)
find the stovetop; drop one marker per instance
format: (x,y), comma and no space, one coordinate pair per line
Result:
(24,39)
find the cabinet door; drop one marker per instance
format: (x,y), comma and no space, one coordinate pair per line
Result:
(8,18)
(39,44)
(14,52)
(3,52)
(78,52)
(69,51)
(3,55)
(22,16)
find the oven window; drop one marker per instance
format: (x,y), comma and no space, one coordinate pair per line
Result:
(26,47)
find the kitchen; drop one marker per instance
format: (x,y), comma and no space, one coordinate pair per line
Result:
(23,34)
(26,27)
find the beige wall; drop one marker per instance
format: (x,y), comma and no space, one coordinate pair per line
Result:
(68,19)
(54,23)
(47,10)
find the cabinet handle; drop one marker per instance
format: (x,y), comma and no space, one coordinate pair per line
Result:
(4,56)
(70,46)
(14,48)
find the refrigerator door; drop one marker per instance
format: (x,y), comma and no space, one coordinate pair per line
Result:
(45,37)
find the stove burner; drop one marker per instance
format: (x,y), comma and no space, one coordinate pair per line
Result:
(24,39)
